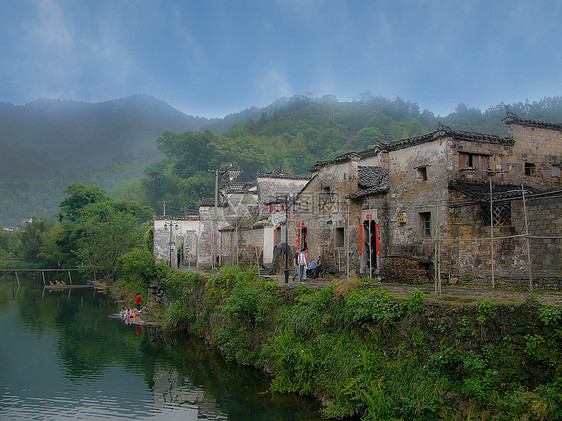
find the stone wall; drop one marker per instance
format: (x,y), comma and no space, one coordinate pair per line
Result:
(468,252)
(242,246)
(539,146)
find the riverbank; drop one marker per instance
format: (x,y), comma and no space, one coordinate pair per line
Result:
(363,351)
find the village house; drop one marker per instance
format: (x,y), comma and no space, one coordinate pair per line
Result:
(255,230)
(419,208)
(412,210)
(177,239)
(240,226)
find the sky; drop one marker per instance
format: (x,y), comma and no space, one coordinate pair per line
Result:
(210,58)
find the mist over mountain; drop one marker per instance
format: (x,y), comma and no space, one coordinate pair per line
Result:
(48,144)
(48,136)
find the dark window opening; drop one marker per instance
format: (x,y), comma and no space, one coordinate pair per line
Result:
(501,214)
(422,173)
(277,235)
(340,237)
(530,169)
(304,238)
(425,223)
(473,161)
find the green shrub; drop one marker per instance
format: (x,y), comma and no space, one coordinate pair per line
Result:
(137,266)
(178,317)
(416,299)
(365,305)
(550,315)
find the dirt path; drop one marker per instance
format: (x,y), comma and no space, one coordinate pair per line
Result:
(451,294)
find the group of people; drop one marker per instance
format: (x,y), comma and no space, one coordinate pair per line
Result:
(304,268)
(127,314)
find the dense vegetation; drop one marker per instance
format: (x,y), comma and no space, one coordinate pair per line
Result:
(92,232)
(297,136)
(363,352)
(138,150)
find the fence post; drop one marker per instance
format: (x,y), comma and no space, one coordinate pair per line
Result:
(527,238)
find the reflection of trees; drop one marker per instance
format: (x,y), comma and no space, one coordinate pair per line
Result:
(179,370)
(241,392)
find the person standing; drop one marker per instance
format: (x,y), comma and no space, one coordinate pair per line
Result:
(138,301)
(302,266)
(296,263)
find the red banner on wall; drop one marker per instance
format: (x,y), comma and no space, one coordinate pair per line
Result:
(361,239)
(378,246)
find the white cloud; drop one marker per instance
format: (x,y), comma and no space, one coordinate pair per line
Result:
(273,84)
(49,28)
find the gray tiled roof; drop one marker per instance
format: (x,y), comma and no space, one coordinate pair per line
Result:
(372,180)
(240,187)
(444,131)
(279,173)
(512,118)
(372,176)
(480,192)
(345,157)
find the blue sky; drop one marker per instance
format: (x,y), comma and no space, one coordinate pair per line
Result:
(214,57)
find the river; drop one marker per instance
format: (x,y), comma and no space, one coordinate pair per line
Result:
(62,356)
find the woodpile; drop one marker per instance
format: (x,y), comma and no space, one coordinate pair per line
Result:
(405,270)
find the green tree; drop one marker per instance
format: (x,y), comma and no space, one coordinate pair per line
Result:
(188,152)
(80,195)
(32,237)
(195,188)
(366,138)
(107,234)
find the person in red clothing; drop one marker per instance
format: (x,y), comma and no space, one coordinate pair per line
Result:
(138,301)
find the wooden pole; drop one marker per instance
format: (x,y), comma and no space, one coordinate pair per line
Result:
(69,278)
(438,232)
(528,241)
(17,278)
(43,275)
(492,234)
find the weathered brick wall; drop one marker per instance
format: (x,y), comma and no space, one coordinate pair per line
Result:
(540,146)
(324,210)
(410,197)
(470,256)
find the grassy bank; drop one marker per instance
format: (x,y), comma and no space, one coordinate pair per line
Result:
(363,352)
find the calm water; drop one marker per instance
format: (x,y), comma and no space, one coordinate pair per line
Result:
(63,357)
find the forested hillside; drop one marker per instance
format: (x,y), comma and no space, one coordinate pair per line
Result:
(300,134)
(142,149)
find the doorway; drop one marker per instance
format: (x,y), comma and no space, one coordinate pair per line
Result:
(370,247)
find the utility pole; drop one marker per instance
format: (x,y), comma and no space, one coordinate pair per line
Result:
(287,238)
(492,234)
(215,219)
(164,203)
(527,238)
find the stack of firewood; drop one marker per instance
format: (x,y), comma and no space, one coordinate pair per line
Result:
(404,270)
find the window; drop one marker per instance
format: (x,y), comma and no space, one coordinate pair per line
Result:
(425,224)
(501,214)
(555,171)
(422,173)
(473,161)
(340,237)
(530,169)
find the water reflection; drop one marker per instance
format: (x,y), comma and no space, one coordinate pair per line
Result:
(63,357)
